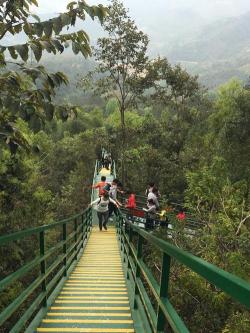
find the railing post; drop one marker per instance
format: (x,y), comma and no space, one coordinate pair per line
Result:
(138,271)
(165,272)
(120,236)
(65,248)
(43,265)
(112,167)
(75,238)
(89,220)
(130,236)
(83,233)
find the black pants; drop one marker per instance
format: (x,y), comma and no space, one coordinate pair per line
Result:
(112,208)
(103,216)
(149,223)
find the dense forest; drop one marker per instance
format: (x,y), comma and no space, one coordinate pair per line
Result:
(160,125)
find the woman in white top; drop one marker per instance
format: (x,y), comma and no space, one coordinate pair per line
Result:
(150,214)
(102,205)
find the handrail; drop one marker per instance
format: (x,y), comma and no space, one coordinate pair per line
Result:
(31,231)
(190,221)
(46,278)
(234,286)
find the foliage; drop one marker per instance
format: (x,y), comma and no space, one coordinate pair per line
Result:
(193,145)
(27,91)
(122,60)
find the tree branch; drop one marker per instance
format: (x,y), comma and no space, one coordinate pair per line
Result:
(242,222)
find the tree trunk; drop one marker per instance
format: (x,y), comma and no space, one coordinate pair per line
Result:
(123,143)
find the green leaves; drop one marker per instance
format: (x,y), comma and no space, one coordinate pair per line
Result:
(48,28)
(79,39)
(13,52)
(49,110)
(57,25)
(28,92)
(23,51)
(37,50)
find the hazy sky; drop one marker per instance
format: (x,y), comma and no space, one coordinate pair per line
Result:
(203,7)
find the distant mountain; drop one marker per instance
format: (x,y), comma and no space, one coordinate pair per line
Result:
(217,41)
(218,52)
(215,49)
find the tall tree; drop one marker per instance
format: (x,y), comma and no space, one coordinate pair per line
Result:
(122,59)
(122,62)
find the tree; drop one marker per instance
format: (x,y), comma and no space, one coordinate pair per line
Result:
(122,64)
(173,85)
(122,60)
(27,91)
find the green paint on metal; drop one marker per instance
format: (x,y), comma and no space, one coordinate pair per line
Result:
(146,318)
(137,270)
(77,238)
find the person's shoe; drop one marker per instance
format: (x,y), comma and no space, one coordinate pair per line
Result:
(105,227)
(100,229)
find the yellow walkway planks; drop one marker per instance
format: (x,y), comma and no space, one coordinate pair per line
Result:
(94,299)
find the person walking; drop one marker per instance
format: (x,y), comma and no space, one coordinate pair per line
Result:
(150,214)
(101,185)
(152,195)
(152,188)
(102,209)
(113,195)
(149,188)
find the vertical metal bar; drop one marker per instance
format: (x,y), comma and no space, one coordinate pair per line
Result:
(43,264)
(89,220)
(138,271)
(82,230)
(65,248)
(75,238)
(165,273)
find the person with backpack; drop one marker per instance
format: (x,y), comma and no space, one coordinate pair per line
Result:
(113,195)
(101,185)
(102,208)
(149,188)
(150,214)
(152,188)
(153,195)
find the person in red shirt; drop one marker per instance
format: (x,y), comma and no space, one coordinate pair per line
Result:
(101,185)
(181,216)
(130,205)
(131,201)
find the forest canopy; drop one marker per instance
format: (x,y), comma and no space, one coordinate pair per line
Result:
(159,124)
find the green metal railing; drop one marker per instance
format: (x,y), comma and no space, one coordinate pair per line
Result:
(51,272)
(190,222)
(138,271)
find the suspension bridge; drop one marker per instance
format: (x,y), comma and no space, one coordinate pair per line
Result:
(82,280)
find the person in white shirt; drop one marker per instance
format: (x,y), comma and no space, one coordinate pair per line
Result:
(150,187)
(113,195)
(102,205)
(153,196)
(150,214)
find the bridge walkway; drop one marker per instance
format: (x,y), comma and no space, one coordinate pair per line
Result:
(94,298)
(99,281)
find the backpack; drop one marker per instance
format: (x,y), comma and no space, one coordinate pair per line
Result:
(106,187)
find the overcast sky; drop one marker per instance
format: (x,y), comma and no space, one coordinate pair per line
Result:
(203,7)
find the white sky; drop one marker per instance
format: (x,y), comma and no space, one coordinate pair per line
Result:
(204,7)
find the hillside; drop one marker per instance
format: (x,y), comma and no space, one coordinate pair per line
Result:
(221,50)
